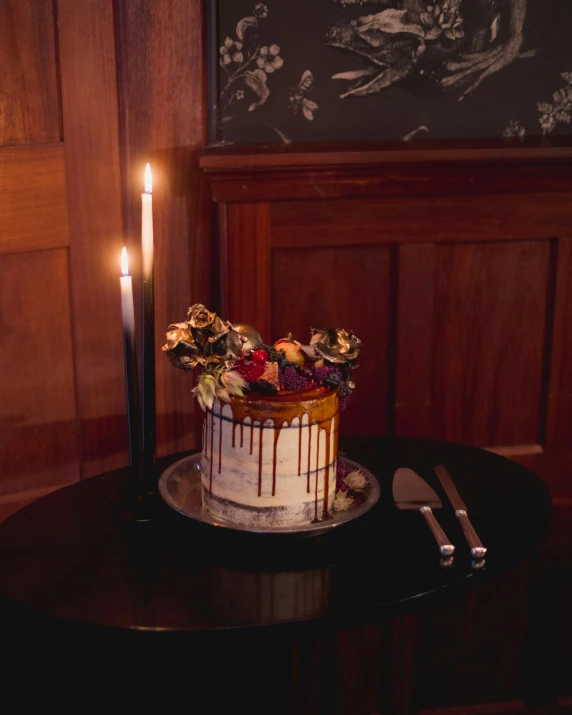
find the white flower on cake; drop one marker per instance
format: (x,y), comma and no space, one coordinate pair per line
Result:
(234,382)
(356,481)
(343,501)
(206,391)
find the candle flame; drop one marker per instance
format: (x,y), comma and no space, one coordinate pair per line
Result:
(148,180)
(124,262)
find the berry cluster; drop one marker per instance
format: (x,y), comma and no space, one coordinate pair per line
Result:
(250,371)
(292,380)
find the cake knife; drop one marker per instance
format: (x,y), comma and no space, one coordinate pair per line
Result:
(410,491)
(475,544)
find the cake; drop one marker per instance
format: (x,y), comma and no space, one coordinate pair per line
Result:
(271,420)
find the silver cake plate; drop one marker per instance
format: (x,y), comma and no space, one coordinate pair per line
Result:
(180,487)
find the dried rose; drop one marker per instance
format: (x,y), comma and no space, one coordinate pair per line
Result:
(335,344)
(181,347)
(203,339)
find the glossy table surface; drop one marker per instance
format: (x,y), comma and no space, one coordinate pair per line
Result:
(67,556)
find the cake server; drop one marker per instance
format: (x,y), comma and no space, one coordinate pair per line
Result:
(410,491)
(475,544)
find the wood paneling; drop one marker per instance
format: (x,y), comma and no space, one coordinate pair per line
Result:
(163,118)
(91,130)
(29,106)
(38,434)
(346,288)
(559,397)
(414,336)
(33,209)
(479,297)
(422,219)
(488,341)
(246,253)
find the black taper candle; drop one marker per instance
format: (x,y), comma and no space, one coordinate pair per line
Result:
(131,375)
(148,331)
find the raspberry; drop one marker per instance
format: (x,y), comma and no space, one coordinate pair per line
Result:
(260,356)
(250,371)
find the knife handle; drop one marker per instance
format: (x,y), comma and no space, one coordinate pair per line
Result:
(475,544)
(446,548)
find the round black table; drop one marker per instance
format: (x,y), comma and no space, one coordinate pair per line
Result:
(74,575)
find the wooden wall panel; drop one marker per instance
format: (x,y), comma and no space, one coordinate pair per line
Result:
(246,253)
(414,316)
(488,341)
(38,437)
(163,119)
(91,130)
(370,222)
(33,210)
(29,105)
(559,397)
(346,288)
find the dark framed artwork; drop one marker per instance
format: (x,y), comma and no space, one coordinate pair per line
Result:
(388,70)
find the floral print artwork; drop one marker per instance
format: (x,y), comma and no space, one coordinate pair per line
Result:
(550,114)
(247,65)
(391,70)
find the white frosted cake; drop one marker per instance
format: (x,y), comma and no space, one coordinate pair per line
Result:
(270,432)
(271,461)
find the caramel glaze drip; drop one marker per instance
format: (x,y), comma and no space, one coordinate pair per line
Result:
(274,458)
(328,430)
(260,444)
(211,459)
(220,444)
(321,405)
(309,452)
(317,476)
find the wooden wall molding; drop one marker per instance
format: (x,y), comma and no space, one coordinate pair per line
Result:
(273,174)
(467,311)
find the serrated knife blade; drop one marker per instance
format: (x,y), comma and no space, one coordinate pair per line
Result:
(475,544)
